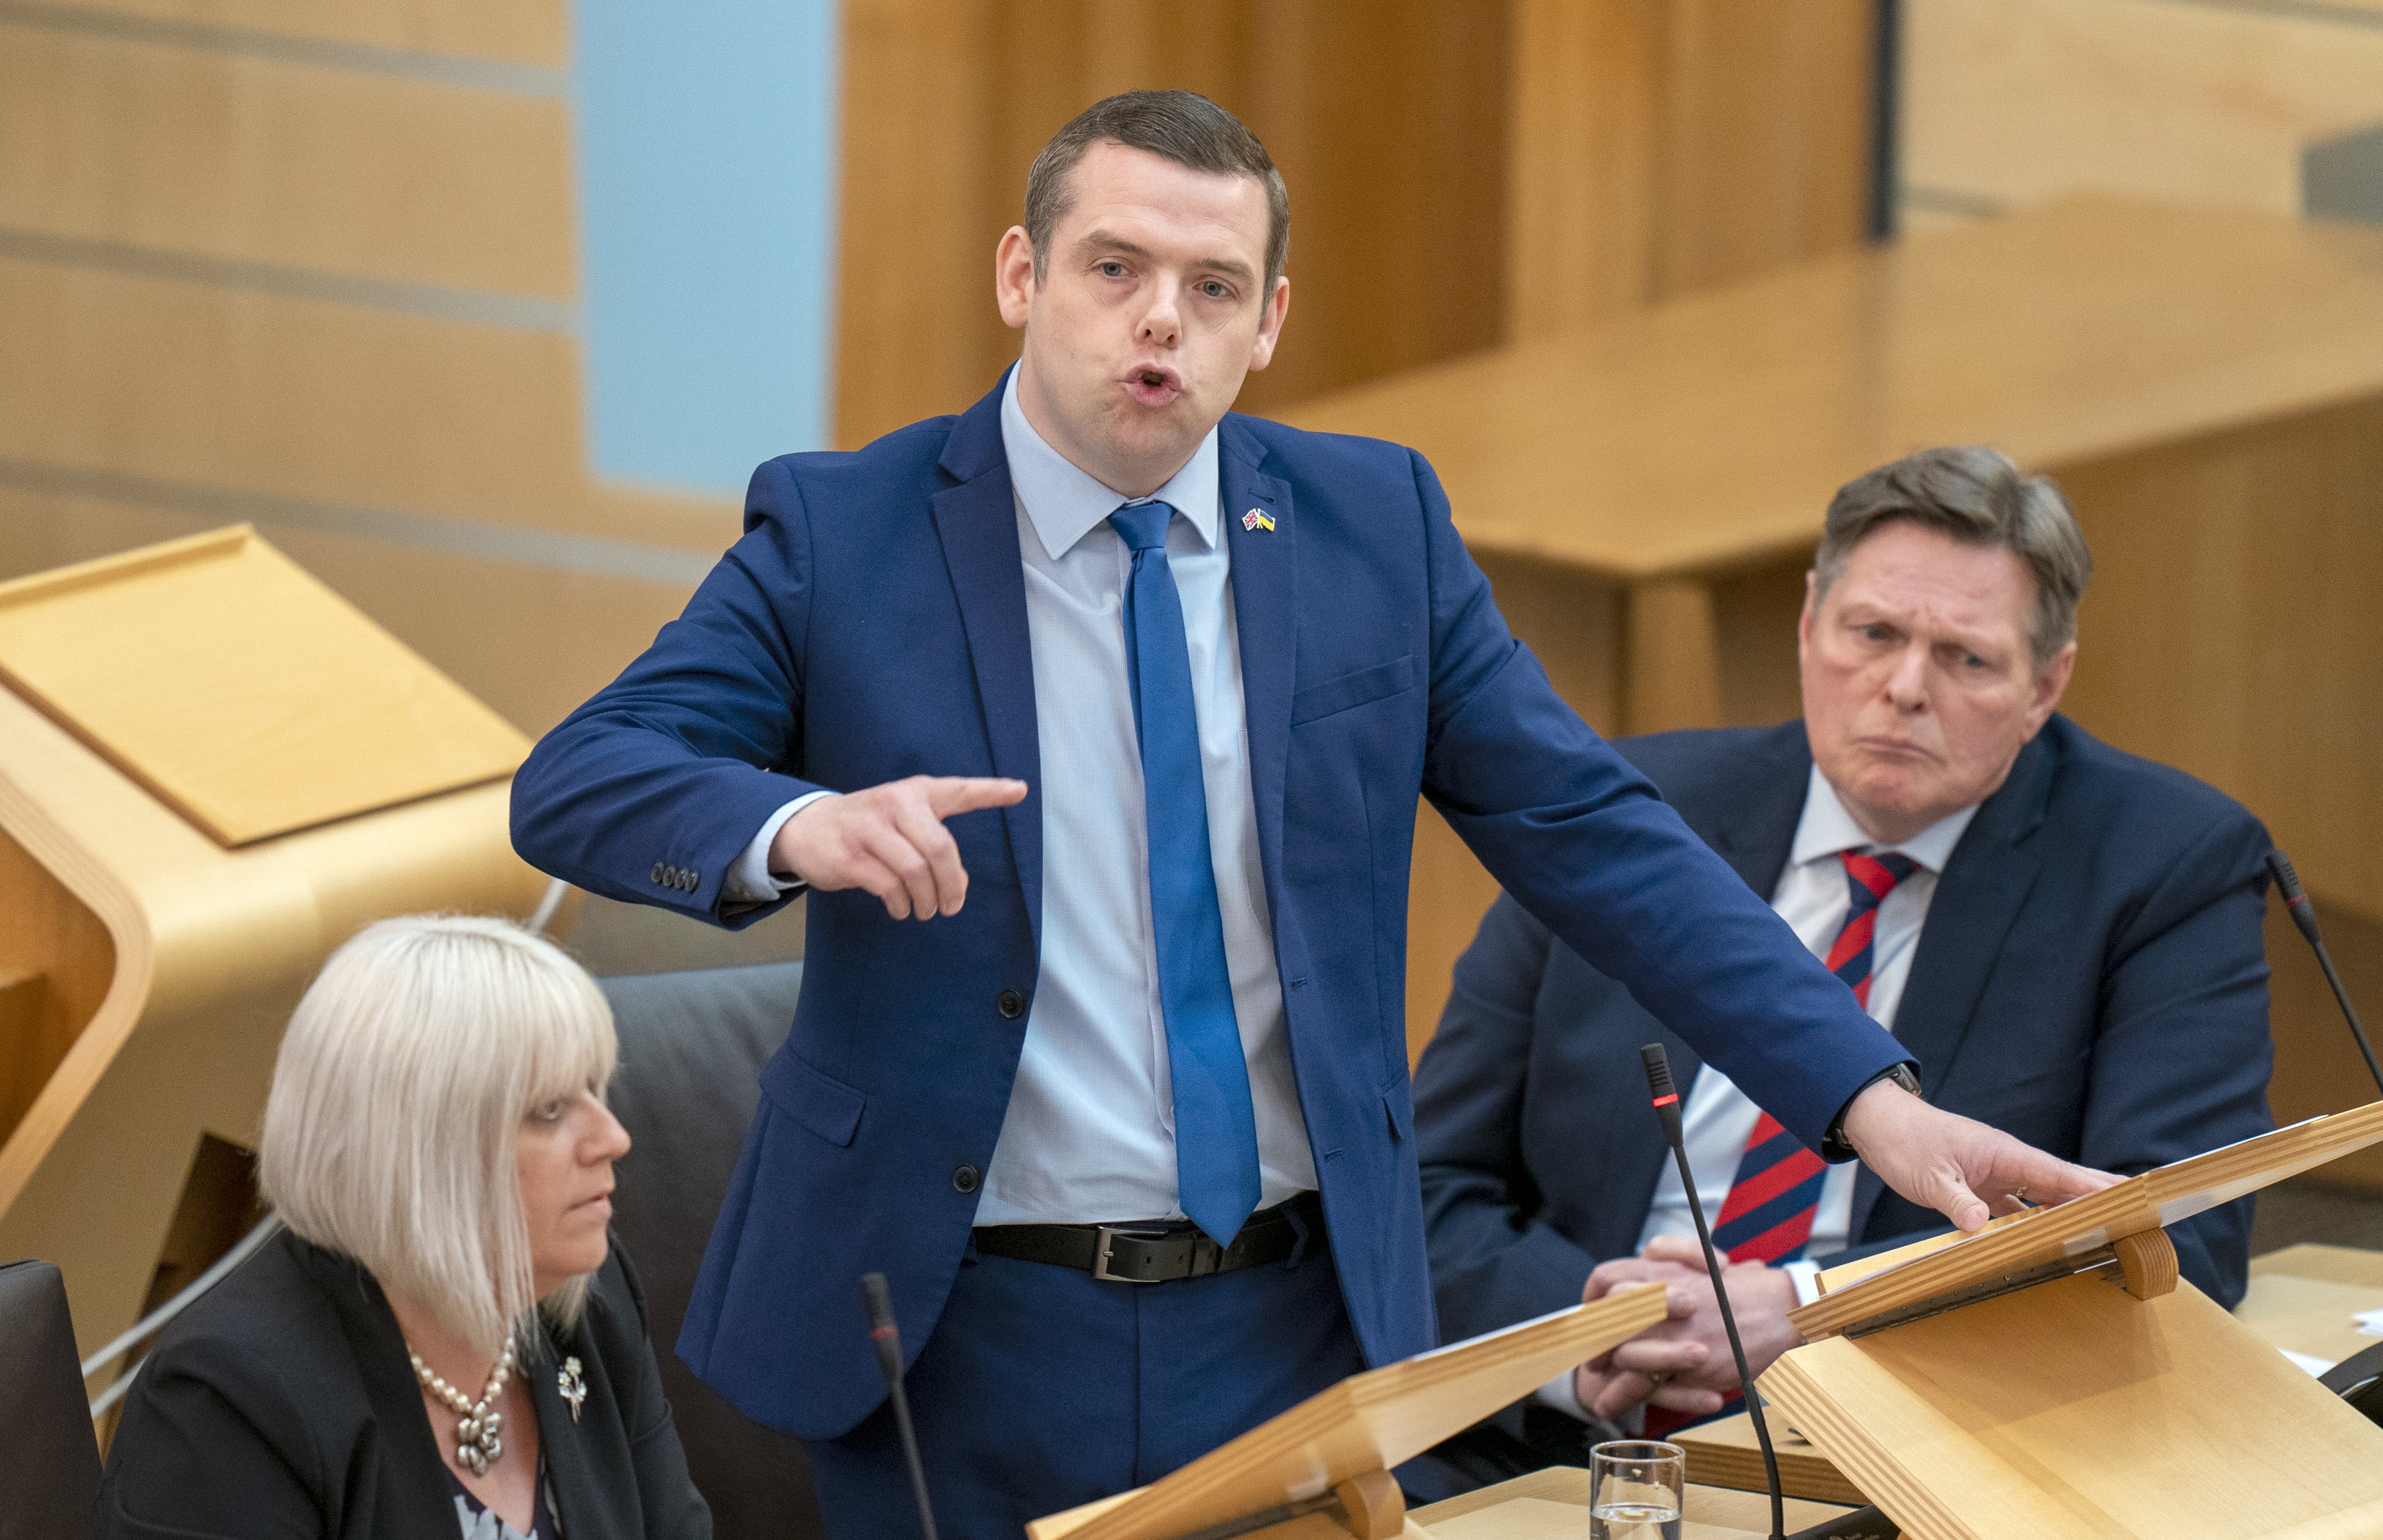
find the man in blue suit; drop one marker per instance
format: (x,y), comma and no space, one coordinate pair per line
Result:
(2068,937)
(1131,699)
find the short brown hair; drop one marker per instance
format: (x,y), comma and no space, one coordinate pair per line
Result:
(1182,126)
(1979,496)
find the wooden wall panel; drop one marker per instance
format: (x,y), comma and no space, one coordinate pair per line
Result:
(1764,149)
(1387,120)
(240,391)
(190,150)
(2236,640)
(2014,101)
(1658,149)
(1583,107)
(533,32)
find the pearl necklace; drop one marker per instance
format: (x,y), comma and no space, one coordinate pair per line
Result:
(476,1441)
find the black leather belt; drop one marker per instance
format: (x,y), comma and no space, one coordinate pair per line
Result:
(1159,1250)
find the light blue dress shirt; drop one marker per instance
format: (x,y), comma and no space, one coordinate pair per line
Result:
(1090,1136)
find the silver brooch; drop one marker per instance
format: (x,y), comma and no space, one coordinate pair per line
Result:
(573,1384)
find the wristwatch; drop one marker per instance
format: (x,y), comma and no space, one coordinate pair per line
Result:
(1834,1147)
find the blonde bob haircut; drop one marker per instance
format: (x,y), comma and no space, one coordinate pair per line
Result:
(397,1105)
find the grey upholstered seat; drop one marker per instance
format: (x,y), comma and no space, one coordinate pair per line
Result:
(692,1045)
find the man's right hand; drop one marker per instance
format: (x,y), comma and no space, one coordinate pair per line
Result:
(891,840)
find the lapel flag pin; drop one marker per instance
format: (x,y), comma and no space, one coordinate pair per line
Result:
(1255,520)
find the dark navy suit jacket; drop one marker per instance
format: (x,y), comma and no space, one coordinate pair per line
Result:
(2090,979)
(870,624)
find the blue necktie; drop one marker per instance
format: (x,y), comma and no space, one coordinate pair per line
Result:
(1215,1132)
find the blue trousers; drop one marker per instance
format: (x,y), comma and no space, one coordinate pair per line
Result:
(1041,1389)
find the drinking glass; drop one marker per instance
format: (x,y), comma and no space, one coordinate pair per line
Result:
(1635,1489)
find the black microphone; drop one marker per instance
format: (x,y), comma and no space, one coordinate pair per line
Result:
(888,1338)
(1862,1523)
(2304,913)
(1667,1107)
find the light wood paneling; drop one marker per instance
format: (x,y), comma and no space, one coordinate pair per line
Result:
(2020,100)
(193,383)
(509,31)
(58,959)
(1581,203)
(1655,150)
(188,150)
(532,642)
(1764,152)
(1708,433)
(2230,627)
(1382,118)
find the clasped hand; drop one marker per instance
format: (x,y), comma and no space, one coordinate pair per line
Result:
(1684,1363)
(891,840)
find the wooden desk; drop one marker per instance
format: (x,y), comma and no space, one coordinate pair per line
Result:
(1529,1508)
(2301,1297)
(2207,384)
(164,899)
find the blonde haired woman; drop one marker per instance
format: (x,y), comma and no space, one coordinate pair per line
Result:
(444,1338)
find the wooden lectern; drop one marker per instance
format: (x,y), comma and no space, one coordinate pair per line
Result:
(2051,1376)
(213,770)
(1321,1470)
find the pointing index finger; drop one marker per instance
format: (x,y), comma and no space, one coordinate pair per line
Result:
(950,795)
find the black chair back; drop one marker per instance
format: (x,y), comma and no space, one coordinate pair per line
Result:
(49,1478)
(692,1046)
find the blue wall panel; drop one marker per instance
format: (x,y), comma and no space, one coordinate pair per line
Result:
(707,217)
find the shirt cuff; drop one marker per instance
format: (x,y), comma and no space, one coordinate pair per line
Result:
(1558,1394)
(750,879)
(1806,1277)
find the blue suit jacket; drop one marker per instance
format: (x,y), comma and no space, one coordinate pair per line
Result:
(2090,979)
(870,624)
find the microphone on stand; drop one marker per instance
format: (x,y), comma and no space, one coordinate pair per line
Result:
(2304,913)
(888,1338)
(1862,1523)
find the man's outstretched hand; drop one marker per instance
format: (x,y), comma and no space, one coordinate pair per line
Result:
(891,840)
(1957,1165)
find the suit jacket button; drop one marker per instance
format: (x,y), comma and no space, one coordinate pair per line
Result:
(1010,1004)
(658,871)
(964,1178)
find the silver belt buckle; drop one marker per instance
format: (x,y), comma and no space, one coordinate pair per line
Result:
(1107,1234)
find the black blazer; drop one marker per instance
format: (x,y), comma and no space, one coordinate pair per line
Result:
(2090,979)
(282,1404)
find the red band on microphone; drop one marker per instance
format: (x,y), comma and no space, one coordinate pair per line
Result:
(1667,1100)
(879,1333)
(2291,901)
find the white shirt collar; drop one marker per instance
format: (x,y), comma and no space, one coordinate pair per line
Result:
(1064,501)
(1826,827)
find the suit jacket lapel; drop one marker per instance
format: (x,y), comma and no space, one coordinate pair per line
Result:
(1265,593)
(1754,830)
(977,522)
(1977,899)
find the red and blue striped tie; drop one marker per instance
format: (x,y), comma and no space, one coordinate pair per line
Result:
(1773,1199)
